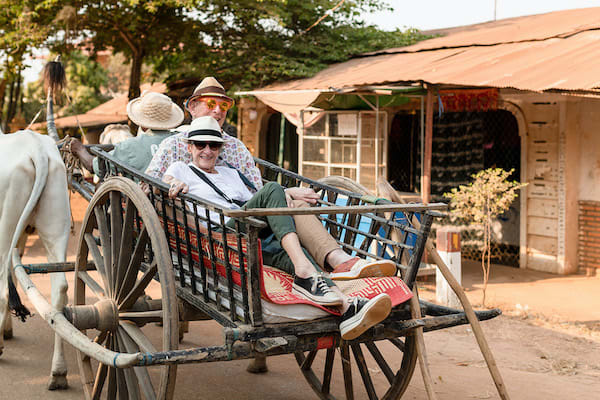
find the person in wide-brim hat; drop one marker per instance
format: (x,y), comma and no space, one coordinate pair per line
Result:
(155,114)
(209,87)
(154,111)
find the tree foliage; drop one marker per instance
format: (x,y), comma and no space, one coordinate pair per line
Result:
(483,200)
(135,28)
(246,43)
(250,43)
(24,25)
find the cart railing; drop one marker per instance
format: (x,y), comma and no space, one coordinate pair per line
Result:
(218,268)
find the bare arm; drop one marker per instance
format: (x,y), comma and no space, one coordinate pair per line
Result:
(79,150)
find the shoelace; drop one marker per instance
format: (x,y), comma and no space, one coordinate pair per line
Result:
(354,303)
(320,283)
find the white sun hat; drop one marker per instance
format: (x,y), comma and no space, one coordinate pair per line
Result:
(154,111)
(205,129)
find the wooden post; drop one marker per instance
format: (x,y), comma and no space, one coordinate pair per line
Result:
(448,247)
(426,189)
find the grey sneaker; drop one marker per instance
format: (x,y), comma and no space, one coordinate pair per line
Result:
(363,314)
(316,289)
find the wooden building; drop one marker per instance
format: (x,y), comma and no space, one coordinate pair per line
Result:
(519,93)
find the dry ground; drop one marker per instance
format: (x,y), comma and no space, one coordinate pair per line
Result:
(549,347)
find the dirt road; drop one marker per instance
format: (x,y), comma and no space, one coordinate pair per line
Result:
(539,359)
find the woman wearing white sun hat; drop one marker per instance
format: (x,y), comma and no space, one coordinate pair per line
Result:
(155,114)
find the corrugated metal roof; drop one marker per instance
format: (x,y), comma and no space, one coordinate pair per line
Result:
(549,51)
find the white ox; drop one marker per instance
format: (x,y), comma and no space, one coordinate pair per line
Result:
(34,193)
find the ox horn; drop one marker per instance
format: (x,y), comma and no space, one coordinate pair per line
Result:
(54,83)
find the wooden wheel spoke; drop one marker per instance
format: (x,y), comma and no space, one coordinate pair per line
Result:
(347,370)
(142,316)
(309,360)
(364,371)
(328,371)
(101,337)
(132,269)
(130,376)
(141,373)
(126,242)
(105,242)
(122,387)
(137,336)
(398,343)
(139,287)
(116,228)
(92,284)
(112,375)
(99,381)
(387,371)
(96,256)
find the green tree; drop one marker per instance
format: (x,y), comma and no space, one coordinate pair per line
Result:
(480,202)
(24,25)
(136,28)
(249,43)
(246,43)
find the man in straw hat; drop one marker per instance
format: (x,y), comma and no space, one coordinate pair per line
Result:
(155,114)
(223,186)
(209,99)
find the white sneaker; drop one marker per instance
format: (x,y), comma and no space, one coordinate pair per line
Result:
(359,268)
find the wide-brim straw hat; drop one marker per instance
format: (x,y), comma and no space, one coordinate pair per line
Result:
(209,87)
(154,111)
(205,129)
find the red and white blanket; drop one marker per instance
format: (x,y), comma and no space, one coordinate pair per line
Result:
(276,285)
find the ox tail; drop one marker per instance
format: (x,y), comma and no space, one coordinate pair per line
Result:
(14,301)
(40,163)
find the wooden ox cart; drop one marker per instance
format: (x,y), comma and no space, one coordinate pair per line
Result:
(130,240)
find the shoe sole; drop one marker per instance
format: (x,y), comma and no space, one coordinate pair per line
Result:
(319,300)
(380,268)
(372,313)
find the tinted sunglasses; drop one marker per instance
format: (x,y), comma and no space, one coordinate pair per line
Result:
(212,145)
(224,105)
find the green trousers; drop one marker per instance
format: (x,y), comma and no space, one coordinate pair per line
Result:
(273,196)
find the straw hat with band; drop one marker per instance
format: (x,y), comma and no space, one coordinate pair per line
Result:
(154,111)
(208,87)
(205,129)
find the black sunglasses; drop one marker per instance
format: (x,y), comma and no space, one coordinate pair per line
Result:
(212,145)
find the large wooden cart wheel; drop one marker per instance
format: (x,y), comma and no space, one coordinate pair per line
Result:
(385,368)
(124,238)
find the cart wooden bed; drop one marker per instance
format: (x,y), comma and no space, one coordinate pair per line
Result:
(130,239)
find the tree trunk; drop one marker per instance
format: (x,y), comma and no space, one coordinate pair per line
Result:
(3,83)
(9,106)
(135,75)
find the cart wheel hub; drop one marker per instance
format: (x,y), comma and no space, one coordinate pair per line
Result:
(103,316)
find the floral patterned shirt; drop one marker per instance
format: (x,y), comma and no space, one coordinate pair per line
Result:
(174,148)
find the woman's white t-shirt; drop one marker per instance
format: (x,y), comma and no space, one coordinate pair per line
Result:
(226,179)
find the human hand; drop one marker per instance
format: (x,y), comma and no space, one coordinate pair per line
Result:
(175,186)
(301,193)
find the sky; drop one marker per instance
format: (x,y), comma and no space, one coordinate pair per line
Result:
(434,14)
